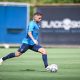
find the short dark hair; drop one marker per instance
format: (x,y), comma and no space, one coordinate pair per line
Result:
(38,13)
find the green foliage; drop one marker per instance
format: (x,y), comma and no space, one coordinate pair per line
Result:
(45,1)
(76,1)
(55,1)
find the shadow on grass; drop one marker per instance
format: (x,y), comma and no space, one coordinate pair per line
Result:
(25,70)
(32,70)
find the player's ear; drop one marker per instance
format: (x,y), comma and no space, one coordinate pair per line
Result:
(34,17)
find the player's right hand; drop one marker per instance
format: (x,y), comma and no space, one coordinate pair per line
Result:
(35,42)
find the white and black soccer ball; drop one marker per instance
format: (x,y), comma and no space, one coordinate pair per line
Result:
(52,68)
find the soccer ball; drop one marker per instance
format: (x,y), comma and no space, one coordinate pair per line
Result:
(52,68)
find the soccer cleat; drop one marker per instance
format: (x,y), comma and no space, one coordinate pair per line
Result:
(1,61)
(48,68)
(52,68)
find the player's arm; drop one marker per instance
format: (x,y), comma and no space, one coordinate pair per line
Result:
(31,27)
(31,36)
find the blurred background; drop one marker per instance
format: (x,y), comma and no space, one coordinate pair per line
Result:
(59,33)
(60,25)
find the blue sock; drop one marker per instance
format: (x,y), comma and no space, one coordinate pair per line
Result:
(11,55)
(44,57)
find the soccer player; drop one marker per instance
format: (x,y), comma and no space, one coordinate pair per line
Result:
(30,41)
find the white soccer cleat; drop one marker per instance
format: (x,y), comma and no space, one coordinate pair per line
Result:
(52,68)
(1,61)
(48,68)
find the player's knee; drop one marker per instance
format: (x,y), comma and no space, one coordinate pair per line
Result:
(17,54)
(42,51)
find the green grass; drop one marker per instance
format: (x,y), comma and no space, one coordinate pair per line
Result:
(29,66)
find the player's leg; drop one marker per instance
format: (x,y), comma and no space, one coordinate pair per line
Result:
(20,51)
(10,55)
(41,50)
(44,56)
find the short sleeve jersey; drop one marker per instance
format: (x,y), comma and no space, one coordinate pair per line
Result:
(34,28)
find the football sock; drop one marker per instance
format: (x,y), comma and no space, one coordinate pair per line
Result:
(11,55)
(44,57)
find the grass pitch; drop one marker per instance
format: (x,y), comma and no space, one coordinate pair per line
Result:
(29,66)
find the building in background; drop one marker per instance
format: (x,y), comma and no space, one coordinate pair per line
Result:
(14,18)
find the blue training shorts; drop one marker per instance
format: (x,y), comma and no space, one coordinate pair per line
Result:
(24,47)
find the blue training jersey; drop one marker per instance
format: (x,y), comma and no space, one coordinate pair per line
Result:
(34,28)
